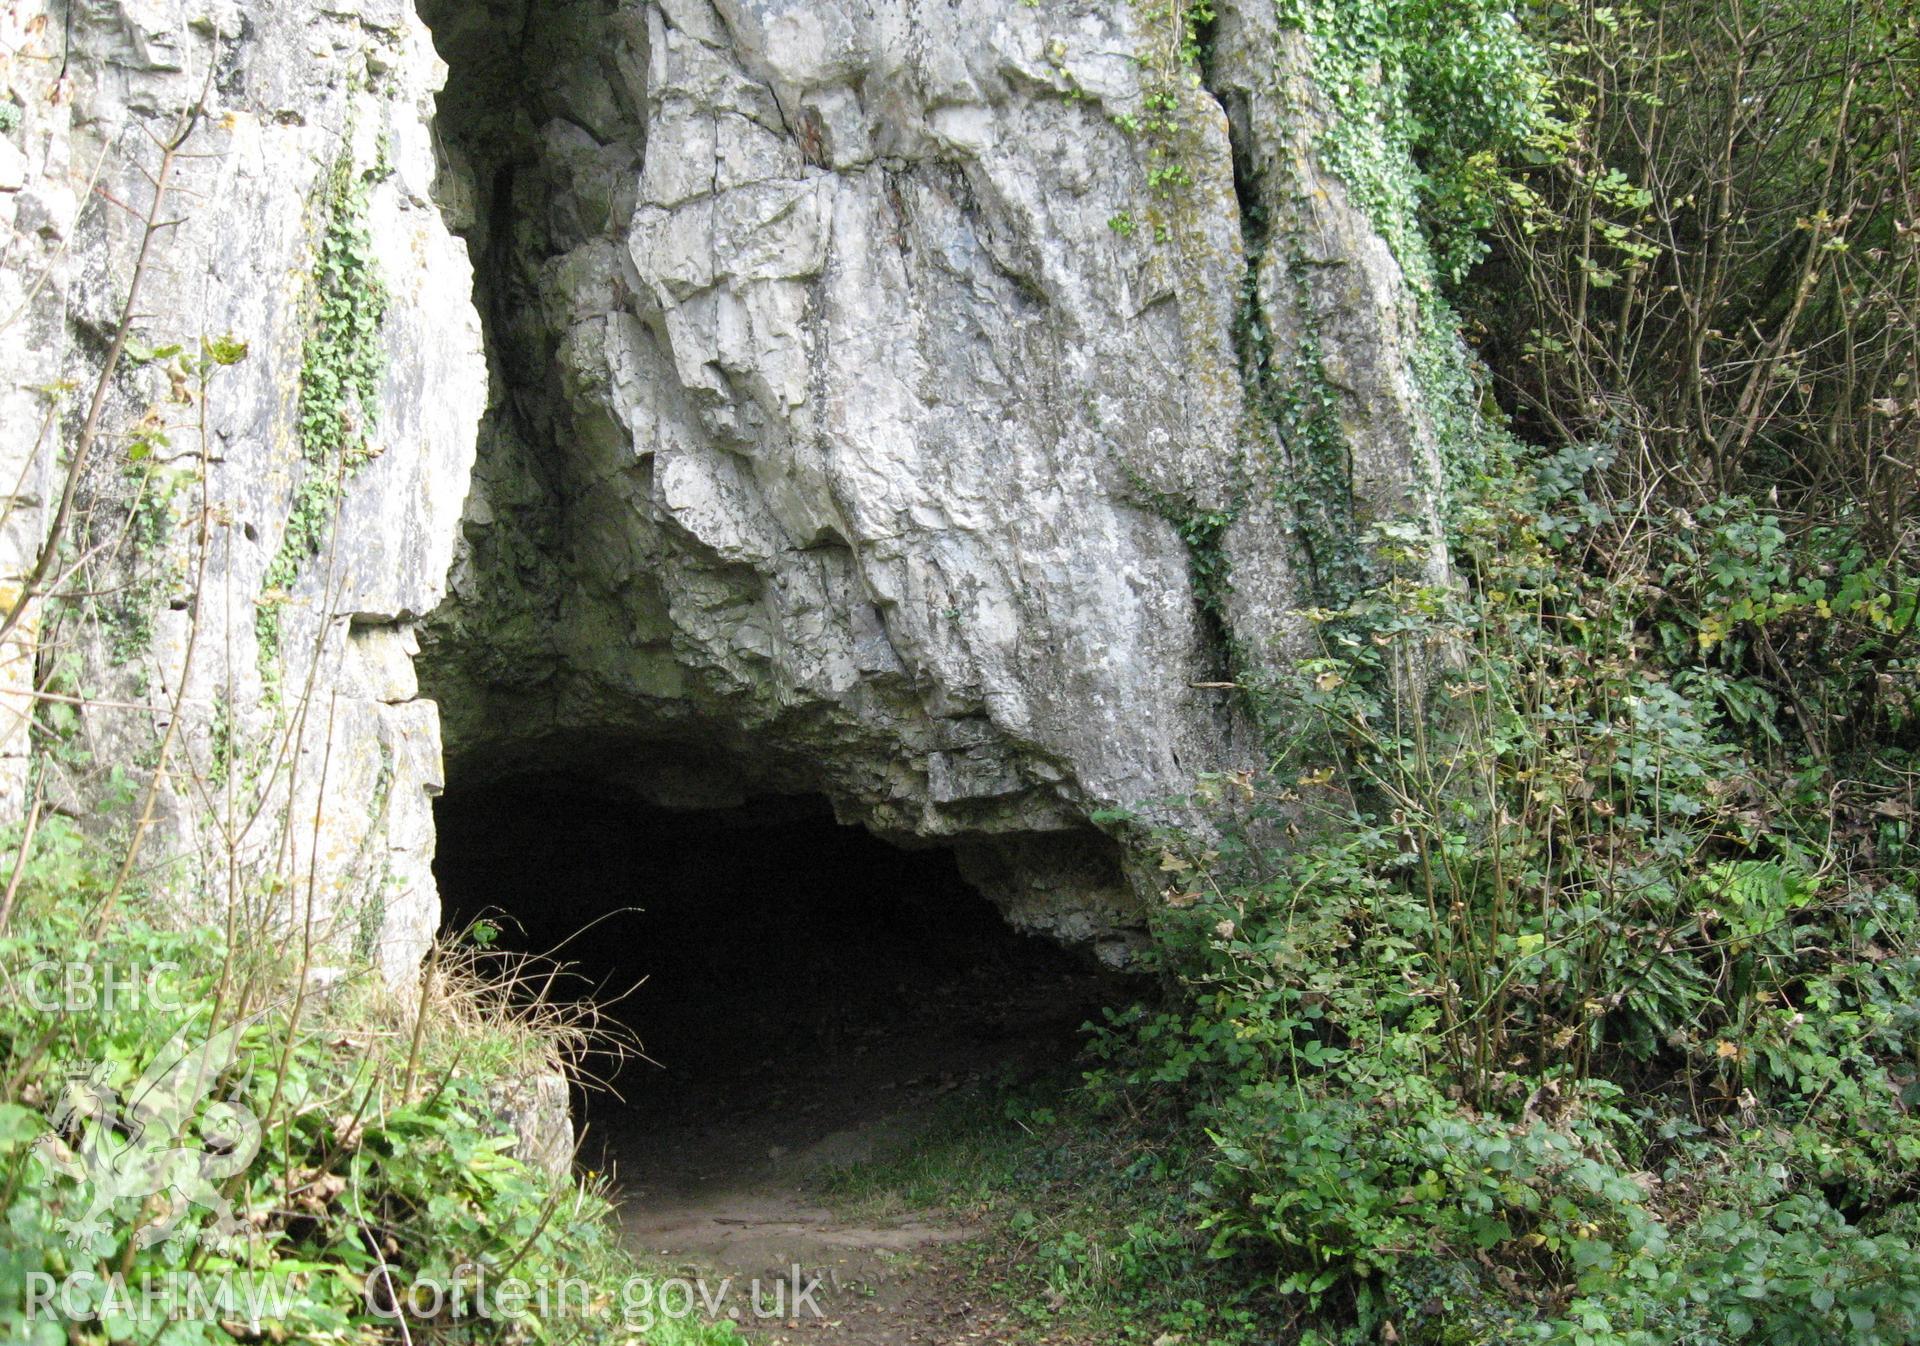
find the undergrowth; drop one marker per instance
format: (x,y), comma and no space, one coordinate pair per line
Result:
(1558,978)
(1535,994)
(193,1149)
(1538,992)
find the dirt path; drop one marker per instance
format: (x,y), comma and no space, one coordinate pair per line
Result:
(819,1277)
(715,1169)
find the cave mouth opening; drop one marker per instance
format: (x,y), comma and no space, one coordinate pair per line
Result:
(796,984)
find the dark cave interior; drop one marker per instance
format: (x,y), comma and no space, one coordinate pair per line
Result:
(786,975)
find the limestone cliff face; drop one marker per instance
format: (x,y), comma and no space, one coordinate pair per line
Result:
(316,760)
(859,401)
(868,409)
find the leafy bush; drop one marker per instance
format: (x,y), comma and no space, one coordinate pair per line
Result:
(1536,995)
(1430,102)
(1708,256)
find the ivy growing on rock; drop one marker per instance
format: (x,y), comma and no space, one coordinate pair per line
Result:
(1418,108)
(1427,101)
(342,364)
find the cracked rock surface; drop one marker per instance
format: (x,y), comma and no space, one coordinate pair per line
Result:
(848,406)
(844,418)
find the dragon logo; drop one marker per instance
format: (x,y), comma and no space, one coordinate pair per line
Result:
(143,1146)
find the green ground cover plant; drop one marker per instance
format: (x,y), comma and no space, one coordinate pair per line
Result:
(356,1175)
(1532,996)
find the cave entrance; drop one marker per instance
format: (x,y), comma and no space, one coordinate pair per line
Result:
(799,987)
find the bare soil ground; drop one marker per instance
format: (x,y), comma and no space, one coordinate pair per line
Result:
(715,1159)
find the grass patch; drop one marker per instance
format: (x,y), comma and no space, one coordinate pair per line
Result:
(1086,1210)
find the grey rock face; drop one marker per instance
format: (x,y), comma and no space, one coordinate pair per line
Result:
(860,414)
(849,386)
(318,761)
(536,1108)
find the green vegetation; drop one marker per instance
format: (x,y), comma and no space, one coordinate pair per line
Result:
(1522,997)
(1709,256)
(1302,411)
(220,1134)
(1209,569)
(382,1168)
(1559,979)
(135,573)
(128,620)
(1172,43)
(1426,103)
(342,365)
(1556,980)
(1535,994)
